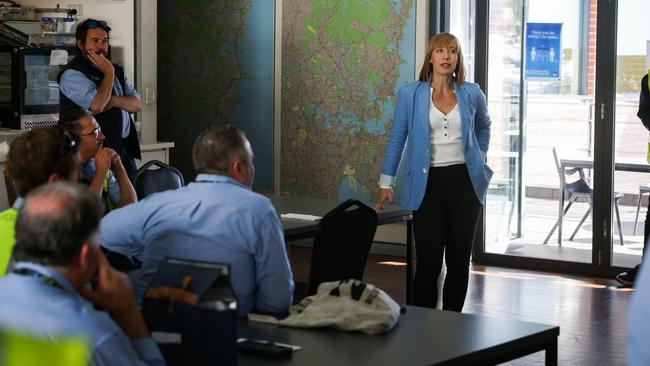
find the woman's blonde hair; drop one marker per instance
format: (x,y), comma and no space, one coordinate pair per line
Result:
(443,40)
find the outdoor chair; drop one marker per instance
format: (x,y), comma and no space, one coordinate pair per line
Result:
(147,181)
(341,246)
(643,189)
(579,191)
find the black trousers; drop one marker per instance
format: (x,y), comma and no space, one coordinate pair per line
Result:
(444,224)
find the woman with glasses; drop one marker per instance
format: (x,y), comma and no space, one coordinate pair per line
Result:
(439,137)
(39,156)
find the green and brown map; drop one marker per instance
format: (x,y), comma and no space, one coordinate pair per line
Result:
(342,63)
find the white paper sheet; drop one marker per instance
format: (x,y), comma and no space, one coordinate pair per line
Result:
(295,216)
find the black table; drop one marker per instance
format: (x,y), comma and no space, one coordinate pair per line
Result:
(422,337)
(302,229)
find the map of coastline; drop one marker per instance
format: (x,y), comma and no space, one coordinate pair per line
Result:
(342,63)
(215,66)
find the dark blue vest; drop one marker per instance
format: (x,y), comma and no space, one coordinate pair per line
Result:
(111,120)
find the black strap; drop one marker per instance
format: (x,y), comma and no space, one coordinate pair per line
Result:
(45,279)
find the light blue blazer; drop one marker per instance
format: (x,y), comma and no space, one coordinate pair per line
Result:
(410,142)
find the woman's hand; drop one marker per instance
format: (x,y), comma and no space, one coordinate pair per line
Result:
(385,194)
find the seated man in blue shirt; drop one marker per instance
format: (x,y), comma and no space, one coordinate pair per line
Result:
(48,294)
(102,167)
(217,218)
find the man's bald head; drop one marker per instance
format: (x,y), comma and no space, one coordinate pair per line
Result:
(54,222)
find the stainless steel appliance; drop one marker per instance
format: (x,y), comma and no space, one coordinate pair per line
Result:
(29,92)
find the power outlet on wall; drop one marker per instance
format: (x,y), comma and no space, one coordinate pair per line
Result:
(78,7)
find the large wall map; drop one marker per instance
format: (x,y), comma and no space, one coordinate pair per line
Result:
(215,66)
(342,63)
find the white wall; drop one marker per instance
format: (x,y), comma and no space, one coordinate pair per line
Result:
(147,66)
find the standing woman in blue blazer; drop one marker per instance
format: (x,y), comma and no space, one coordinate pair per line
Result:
(440,134)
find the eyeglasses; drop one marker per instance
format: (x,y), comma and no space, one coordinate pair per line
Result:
(95,132)
(92,23)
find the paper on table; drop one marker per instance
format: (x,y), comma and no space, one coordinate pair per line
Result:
(295,216)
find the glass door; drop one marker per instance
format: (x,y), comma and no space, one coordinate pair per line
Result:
(570,155)
(504,88)
(631,175)
(541,96)
(541,89)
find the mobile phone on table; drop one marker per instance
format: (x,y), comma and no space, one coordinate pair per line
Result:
(266,348)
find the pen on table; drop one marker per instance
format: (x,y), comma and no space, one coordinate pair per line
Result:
(263,341)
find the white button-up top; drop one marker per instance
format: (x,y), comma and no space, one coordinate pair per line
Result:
(445,135)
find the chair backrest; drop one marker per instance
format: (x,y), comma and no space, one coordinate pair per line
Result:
(579,185)
(147,181)
(557,162)
(341,244)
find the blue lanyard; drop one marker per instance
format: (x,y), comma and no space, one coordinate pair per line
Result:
(45,279)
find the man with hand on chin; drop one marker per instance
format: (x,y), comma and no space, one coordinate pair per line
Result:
(47,294)
(102,167)
(92,82)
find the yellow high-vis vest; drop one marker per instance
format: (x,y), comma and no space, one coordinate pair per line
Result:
(7,237)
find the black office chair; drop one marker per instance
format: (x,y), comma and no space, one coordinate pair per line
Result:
(147,181)
(341,245)
(579,191)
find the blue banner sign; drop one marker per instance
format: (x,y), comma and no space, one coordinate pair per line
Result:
(543,51)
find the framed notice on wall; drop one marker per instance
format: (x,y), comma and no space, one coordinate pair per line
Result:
(543,51)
